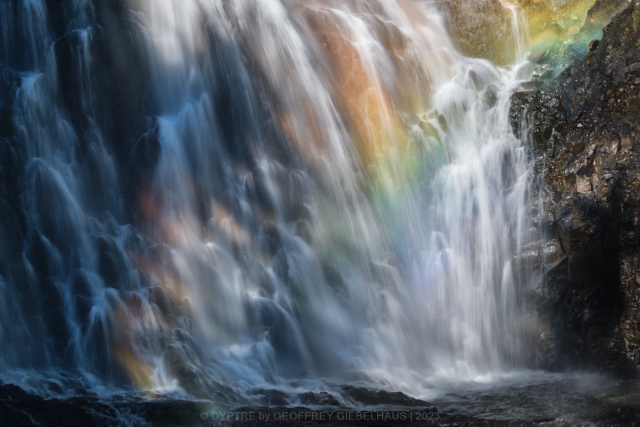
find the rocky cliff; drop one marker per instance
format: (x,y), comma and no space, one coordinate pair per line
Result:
(584,128)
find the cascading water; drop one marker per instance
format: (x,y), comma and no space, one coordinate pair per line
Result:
(333,191)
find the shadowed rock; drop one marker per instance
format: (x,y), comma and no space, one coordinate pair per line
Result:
(586,142)
(372,397)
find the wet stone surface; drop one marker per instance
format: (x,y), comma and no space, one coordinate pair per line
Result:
(565,401)
(585,139)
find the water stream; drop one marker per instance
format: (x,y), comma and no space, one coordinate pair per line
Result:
(337,195)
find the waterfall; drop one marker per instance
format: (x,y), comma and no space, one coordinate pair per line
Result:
(252,191)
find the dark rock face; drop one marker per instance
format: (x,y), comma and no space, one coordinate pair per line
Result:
(585,131)
(370,397)
(322,399)
(18,408)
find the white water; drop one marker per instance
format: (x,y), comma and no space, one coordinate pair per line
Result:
(339,195)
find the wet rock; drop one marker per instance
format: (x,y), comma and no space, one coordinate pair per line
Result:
(62,221)
(118,73)
(319,399)
(162,300)
(12,235)
(84,409)
(272,397)
(184,358)
(54,316)
(83,306)
(57,21)
(144,157)
(480,28)
(56,322)
(81,286)
(14,417)
(303,230)
(372,397)
(586,140)
(9,82)
(111,263)
(97,344)
(169,413)
(270,237)
(51,296)
(11,173)
(38,253)
(73,412)
(431,130)
(55,387)
(70,81)
(583,185)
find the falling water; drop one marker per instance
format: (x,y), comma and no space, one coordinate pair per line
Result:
(333,192)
